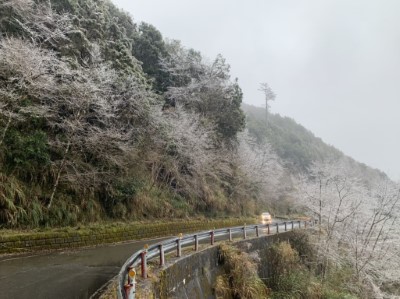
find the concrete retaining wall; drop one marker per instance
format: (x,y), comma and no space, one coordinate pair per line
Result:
(193,276)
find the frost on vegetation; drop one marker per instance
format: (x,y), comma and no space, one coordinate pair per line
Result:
(91,109)
(190,138)
(21,7)
(358,222)
(258,162)
(77,102)
(204,88)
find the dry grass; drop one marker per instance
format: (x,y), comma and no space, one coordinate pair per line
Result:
(241,279)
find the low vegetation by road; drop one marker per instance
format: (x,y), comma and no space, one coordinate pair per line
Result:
(13,241)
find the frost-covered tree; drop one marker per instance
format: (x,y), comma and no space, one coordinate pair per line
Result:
(371,235)
(259,164)
(80,105)
(186,151)
(83,131)
(357,222)
(68,116)
(204,88)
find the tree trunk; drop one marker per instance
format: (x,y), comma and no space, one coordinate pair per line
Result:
(5,129)
(59,174)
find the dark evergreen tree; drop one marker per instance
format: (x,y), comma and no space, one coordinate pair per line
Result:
(149,47)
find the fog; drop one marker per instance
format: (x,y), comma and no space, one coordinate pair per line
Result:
(334,65)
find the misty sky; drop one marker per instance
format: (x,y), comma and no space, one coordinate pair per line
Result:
(334,64)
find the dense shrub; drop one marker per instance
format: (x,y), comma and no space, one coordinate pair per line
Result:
(240,279)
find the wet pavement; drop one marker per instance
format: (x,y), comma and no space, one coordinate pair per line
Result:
(67,274)
(70,274)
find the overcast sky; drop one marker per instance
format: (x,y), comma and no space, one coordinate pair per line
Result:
(334,64)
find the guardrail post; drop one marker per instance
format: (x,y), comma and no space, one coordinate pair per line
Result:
(162,256)
(230,234)
(212,237)
(268,231)
(292,225)
(257,232)
(144,263)
(277,228)
(196,243)
(178,248)
(285,226)
(244,232)
(299,223)
(130,287)
(129,291)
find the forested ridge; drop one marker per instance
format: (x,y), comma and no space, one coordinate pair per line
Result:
(297,147)
(102,118)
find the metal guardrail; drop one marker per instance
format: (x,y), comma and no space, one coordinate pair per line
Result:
(126,277)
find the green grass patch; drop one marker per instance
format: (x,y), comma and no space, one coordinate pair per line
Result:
(107,232)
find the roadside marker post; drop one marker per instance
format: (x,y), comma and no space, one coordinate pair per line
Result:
(144,261)
(130,288)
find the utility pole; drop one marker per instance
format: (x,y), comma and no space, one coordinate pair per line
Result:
(269,96)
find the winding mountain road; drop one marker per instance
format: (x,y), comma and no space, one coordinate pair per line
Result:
(68,274)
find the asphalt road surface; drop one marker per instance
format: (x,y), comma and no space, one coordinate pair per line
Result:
(67,274)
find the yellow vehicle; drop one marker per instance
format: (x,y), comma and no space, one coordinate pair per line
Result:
(266,218)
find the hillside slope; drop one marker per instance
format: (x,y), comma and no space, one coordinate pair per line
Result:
(101,118)
(298,147)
